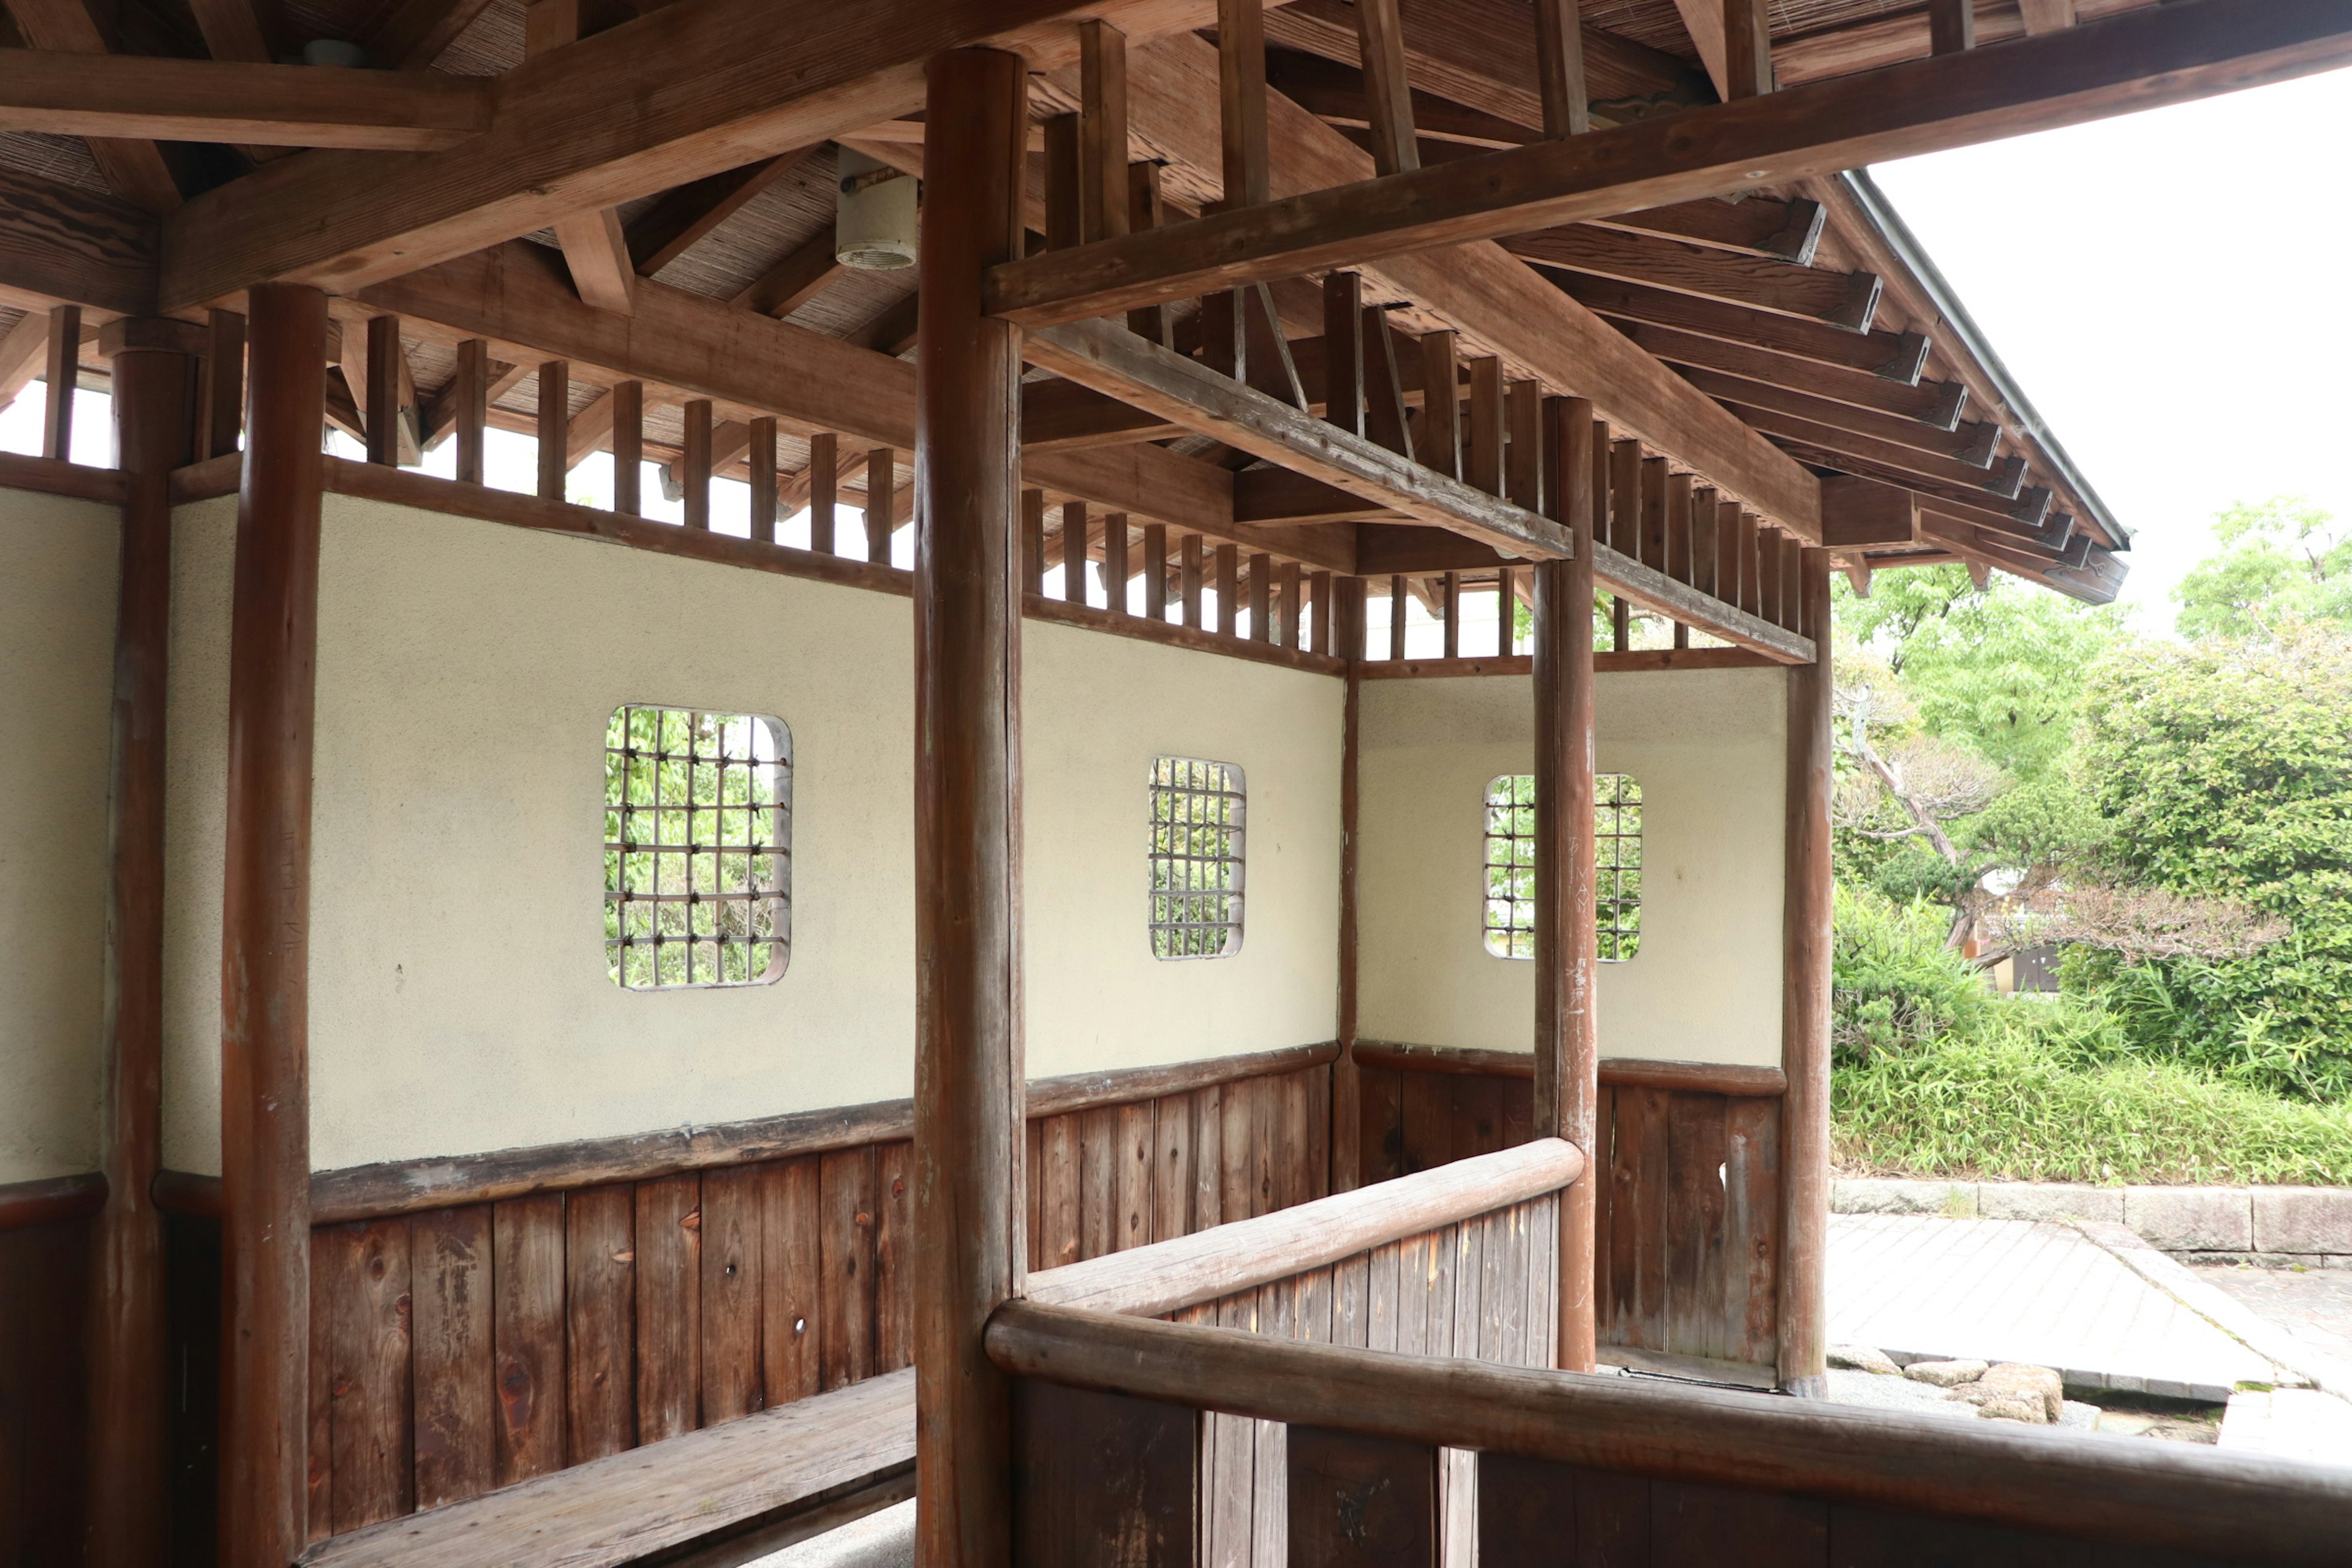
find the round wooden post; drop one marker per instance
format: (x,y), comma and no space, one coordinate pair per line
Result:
(153,380)
(265,930)
(969,1094)
(1568,1040)
(1805,1002)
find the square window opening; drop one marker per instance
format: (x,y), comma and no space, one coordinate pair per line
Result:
(1195,857)
(1511,866)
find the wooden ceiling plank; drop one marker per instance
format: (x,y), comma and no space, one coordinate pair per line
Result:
(1972,445)
(412,35)
(128,95)
(63,244)
(133,166)
(2047,16)
(695,90)
(807,270)
(1755,226)
(2136,60)
(1843,300)
(232,31)
(677,222)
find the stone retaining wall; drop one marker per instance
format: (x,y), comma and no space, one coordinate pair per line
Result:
(2310,1226)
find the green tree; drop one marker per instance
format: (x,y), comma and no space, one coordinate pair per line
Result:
(2284,560)
(2225,769)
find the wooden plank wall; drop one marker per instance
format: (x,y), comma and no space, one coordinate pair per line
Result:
(44,1375)
(1687,1235)
(1485,1289)
(461,1349)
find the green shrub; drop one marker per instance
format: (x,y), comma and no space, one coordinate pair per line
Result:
(1894,987)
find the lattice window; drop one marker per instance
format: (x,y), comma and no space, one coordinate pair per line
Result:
(1197,811)
(1510,866)
(697,847)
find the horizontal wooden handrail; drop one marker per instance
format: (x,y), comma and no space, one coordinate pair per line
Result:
(57,477)
(52,1198)
(1186,1270)
(405,1186)
(1630,1072)
(2188,1498)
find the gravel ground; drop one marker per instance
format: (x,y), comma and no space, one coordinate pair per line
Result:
(2313,1305)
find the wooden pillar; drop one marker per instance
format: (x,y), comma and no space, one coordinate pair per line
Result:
(881,502)
(265,927)
(154,373)
(554,427)
(970,1245)
(472,415)
(1568,1040)
(64,372)
(383,389)
(1347,1080)
(1805,1002)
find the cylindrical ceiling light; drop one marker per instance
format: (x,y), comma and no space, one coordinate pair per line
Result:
(873,214)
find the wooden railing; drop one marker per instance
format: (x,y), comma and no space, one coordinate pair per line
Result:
(1586,1470)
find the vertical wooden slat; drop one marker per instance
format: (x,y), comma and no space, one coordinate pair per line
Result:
(1261,583)
(894,1266)
(1440,411)
(1155,571)
(1033,1167)
(731,1384)
(1731,560)
(264,923)
(1600,1172)
(1131,1208)
(1098,1162)
(320,1417)
(1483,463)
(1652,527)
(1362,1502)
(554,427)
(1144,211)
(1379,1139)
(1229,609)
(1382,1296)
(1288,583)
(1171,1167)
(1639,1227)
(669,1305)
(63,372)
(454,1316)
(1676,559)
(1326,617)
(1115,573)
(1388,96)
(1696,1166)
(1951,26)
(792,1281)
(600,1308)
(220,396)
(1506,612)
(628,447)
(1751,1231)
(1188,550)
(1805,1004)
(1295,1181)
(1704,506)
(1747,48)
(825,488)
(1690,1522)
(365,1267)
(1033,541)
(1527,1513)
(1559,68)
(1343,351)
(1101,1478)
(694,462)
(1237,1154)
(845,1202)
(383,390)
(1396,601)
(1624,534)
(1074,552)
(1453,603)
(1064,226)
(1428,1120)
(1384,413)
(1061,1203)
(1477,1114)
(528,1284)
(763,461)
(1208,1156)
(881,502)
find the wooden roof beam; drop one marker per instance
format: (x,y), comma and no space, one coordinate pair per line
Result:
(1844,299)
(1897,357)
(411,35)
(130,96)
(133,165)
(695,90)
(673,224)
(1972,445)
(70,246)
(1936,404)
(2135,60)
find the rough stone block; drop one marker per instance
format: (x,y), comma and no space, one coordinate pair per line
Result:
(2191,1219)
(2302,1219)
(1945,1373)
(1886,1194)
(2054,1201)
(1863,1358)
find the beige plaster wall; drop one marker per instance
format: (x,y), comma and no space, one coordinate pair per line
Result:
(1707,749)
(1097,711)
(204,563)
(458,996)
(56,647)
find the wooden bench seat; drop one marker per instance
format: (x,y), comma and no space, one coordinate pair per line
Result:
(725,1480)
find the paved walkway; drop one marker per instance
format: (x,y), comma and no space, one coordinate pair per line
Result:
(1993,1289)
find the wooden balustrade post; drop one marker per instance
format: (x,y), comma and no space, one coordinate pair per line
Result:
(471,414)
(969,1215)
(554,427)
(265,930)
(694,463)
(153,372)
(761,460)
(629,447)
(1805,1002)
(1568,1040)
(63,371)
(825,488)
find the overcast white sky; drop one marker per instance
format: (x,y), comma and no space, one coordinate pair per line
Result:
(2171,292)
